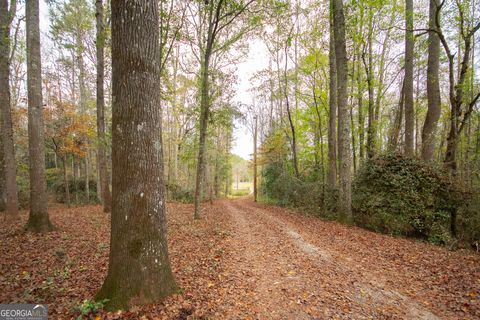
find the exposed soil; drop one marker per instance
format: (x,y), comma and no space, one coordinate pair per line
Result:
(244,260)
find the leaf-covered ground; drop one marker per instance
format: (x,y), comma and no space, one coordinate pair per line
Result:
(247,261)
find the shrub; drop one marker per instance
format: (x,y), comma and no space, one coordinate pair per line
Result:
(468,221)
(177,193)
(285,189)
(240,192)
(89,307)
(404,196)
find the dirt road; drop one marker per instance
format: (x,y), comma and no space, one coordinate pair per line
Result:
(305,268)
(244,260)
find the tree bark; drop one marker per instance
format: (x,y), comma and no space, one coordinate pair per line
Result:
(82,99)
(409,112)
(293,141)
(204,114)
(397,122)
(332,116)
(139,268)
(11,206)
(38,220)
(371,123)
(360,89)
(344,147)
(102,158)
(3,194)
(433,88)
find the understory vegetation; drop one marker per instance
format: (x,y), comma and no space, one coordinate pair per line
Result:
(391,194)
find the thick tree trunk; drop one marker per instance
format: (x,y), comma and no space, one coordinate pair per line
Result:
(332,116)
(409,112)
(433,88)
(204,114)
(139,268)
(11,206)
(3,194)
(102,158)
(344,147)
(38,220)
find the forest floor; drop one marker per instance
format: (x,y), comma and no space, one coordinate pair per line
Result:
(244,260)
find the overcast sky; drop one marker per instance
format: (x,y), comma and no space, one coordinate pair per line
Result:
(257,60)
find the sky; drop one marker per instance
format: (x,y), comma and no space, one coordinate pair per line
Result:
(256,60)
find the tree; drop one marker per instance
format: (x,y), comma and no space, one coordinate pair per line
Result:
(6,17)
(408,89)
(433,87)
(38,220)
(372,125)
(72,28)
(332,116)
(216,15)
(3,194)
(344,148)
(139,268)
(102,158)
(460,108)
(68,132)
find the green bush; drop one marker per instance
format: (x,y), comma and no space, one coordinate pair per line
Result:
(404,196)
(89,308)
(284,189)
(468,220)
(240,192)
(177,193)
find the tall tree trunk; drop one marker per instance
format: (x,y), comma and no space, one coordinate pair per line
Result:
(139,268)
(102,157)
(433,88)
(294,134)
(344,147)
(371,125)
(38,220)
(332,116)
(397,122)
(204,114)
(360,89)
(409,112)
(11,207)
(83,98)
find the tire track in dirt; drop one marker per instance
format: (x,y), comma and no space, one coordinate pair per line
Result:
(297,279)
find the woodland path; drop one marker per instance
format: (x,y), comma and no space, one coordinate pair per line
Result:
(244,260)
(305,268)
